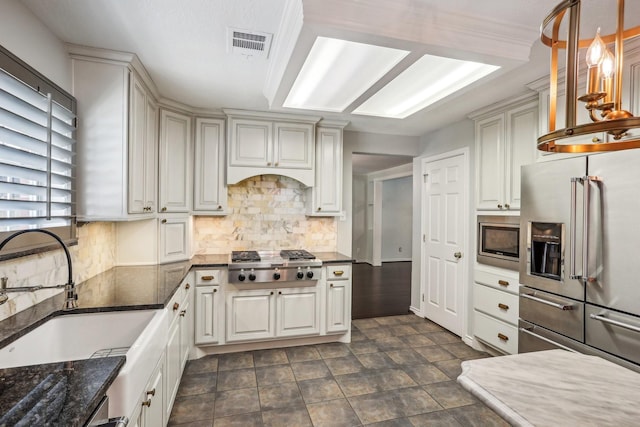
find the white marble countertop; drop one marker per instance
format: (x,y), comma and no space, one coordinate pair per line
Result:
(555,388)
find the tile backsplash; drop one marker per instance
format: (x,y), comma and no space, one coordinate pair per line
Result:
(266,212)
(94,253)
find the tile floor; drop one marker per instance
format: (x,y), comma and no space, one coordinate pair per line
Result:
(397,371)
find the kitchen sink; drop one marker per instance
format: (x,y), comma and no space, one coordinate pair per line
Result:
(139,335)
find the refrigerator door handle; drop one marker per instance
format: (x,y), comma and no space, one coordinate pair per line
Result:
(614,322)
(572,228)
(585,228)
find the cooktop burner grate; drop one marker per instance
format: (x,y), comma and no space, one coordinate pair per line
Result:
(294,254)
(245,256)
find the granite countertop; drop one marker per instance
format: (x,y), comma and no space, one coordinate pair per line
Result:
(117,289)
(555,387)
(55,394)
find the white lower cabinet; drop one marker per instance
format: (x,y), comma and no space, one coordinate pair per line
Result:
(338,298)
(496,309)
(262,314)
(152,410)
(174,238)
(298,312)
(180,340)
(207,314)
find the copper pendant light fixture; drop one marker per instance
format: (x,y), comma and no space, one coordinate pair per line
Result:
(603,87)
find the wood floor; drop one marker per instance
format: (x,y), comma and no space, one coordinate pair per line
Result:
(381,291)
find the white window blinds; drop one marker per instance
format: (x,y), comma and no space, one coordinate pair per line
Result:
(37,158)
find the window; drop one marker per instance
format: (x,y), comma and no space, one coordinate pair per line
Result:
(37,155)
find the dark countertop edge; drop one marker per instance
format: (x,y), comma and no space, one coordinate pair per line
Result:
(102,391)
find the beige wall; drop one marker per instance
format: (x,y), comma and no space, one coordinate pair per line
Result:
(267,212)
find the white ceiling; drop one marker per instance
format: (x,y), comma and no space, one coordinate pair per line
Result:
(183,45)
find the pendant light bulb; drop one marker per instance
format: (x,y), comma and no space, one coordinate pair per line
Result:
(608,65)
(595,53)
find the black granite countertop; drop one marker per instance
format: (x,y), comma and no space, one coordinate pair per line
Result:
(56,394)
(117,289)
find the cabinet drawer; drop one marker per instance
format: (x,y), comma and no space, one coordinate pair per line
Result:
(208,277)
(337,272)
(504,282)
(496,333)
(496,303)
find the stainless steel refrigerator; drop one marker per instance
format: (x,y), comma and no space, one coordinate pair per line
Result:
(580,262)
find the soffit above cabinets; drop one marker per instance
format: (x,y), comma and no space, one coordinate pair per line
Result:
(185,49)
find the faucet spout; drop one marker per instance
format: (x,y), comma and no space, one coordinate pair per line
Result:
(71,296)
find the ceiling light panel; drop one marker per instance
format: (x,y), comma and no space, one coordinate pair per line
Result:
(337,72)
(427,81)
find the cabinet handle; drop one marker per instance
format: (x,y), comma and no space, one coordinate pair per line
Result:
(338,273)
(595,139)
(187,286)
(207,278)
(151,392)
(147,403)
(503,337)
(503,306)
(507,206)
(164,221)
(175,306)
(499,206)
(503,283)
(164,209)
(183,312)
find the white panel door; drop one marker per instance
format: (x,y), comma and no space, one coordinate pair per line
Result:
(250,315)
(338,305)
(175,162)
(207,314)
(444,239)
(137,148)
(293,145)
(490,155)
(210,192)
(298,311)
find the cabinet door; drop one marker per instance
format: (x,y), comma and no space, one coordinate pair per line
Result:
(250,315)
(250,143)
(151,156)
(137,146)
(293,145)
(173,368)
(522,133)
(175,162)
(298,312)
(207,314)
(328,190)
(175,239)
(153,406)
(186,330)
(338,305)
(490,166)
(210,191)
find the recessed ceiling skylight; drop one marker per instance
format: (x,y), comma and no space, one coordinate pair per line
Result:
(337,72)
(427,81)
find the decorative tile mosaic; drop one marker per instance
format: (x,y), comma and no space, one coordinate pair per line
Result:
(266,212)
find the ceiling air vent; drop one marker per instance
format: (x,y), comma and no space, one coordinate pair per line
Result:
(249,43)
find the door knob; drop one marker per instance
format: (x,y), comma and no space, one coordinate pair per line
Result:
(458,255)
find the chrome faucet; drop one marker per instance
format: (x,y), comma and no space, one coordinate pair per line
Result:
(71,296)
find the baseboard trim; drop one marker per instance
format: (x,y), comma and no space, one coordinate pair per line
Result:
(415,311)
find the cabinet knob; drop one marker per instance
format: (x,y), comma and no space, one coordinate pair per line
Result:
(164,209)
(187,286)
(268,163)
(319,209)
(219,207)
(279,292)
(215,290)
(595,139)
(503,337)
(183,312)
(164,221)
(175,306)
(499,206)
(271,293)
(276,164)
(502,306)
(506,206)
(331,285)
(151,392)
(147,403)
(503,283)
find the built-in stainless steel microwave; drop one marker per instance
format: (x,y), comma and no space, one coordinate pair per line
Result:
(499,241)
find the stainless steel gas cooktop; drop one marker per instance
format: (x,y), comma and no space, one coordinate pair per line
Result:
(273,266)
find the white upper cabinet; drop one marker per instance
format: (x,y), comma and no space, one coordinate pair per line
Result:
(117,137)
(325,197)
(209,189)
(505,140)
(176,159)
(270,143)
